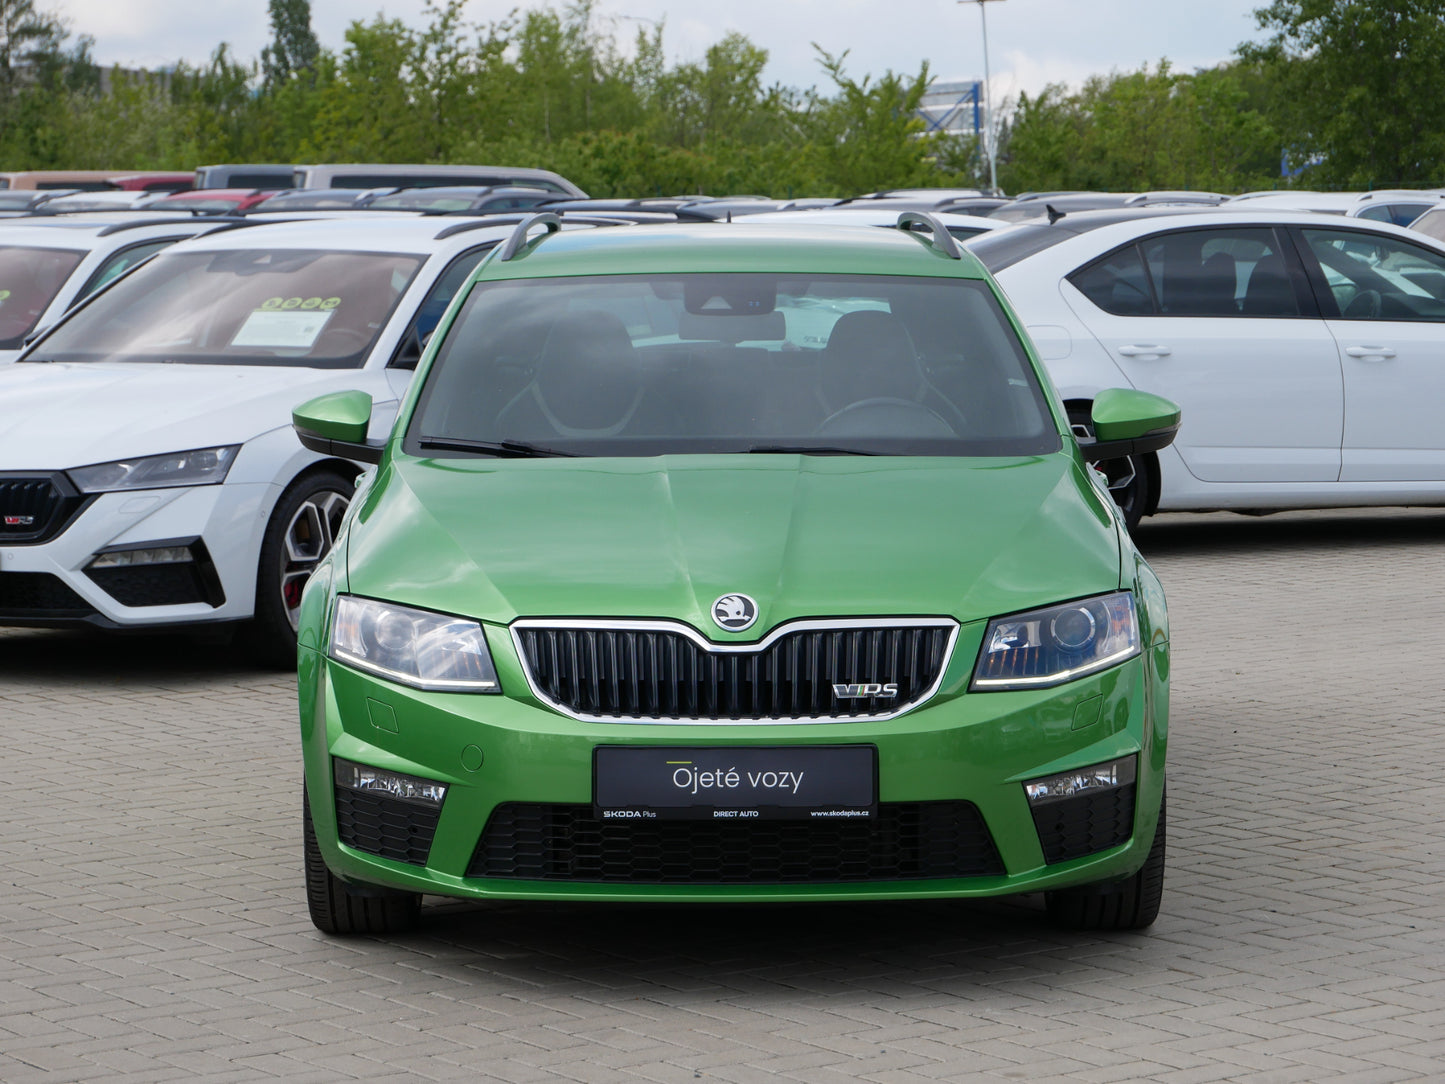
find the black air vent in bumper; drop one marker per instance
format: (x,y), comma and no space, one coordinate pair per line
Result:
(906,841)
(1092,822)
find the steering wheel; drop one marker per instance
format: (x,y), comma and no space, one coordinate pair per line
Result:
(1365,305)
(890,417)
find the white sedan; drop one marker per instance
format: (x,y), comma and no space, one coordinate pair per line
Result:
(1307,351)
(149,473)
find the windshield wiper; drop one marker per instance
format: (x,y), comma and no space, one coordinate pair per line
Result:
(507,449)
(806,449)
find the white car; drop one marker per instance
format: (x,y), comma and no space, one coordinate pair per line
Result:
(149,473)
(1401,206)
(960,225)
(48,265)
(1307,351)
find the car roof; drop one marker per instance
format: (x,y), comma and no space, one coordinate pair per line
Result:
(859,214)
(1002,248)
(382,233)
(42,230)
(741,246)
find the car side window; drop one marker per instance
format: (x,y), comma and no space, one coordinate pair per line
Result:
(1117,283)
(1374,277)
(120,263)
(430,313)
(1221,272)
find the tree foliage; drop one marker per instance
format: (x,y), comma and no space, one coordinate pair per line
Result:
(294,48)
(1344,81)
(1358,86)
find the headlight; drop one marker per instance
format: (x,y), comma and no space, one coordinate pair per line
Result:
(1049,647)
(199,467)
(414,647)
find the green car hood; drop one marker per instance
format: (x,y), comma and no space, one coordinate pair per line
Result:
(664,537)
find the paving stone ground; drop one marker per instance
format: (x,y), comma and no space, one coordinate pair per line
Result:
(153,927)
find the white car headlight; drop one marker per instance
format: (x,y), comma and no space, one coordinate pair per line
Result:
(419,648)
(198,467)
(1051,646)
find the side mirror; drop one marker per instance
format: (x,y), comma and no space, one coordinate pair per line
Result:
(1129,422)
(336,424)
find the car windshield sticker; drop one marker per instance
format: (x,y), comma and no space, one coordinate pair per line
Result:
(4,296)
(288,304)
(280,330)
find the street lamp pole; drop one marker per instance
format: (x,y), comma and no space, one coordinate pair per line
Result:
(988,135)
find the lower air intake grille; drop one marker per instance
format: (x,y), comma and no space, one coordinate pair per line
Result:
(39,595)
(1074,827)
(906,841)
(388,827)
(658,673)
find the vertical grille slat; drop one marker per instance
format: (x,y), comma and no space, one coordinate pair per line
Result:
(655,672)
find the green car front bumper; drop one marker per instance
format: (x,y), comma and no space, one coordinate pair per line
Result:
(953,818)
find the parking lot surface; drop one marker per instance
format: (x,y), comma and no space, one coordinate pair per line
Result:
(153,925)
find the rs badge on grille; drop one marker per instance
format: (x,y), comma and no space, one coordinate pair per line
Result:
(19,521)
(862,692)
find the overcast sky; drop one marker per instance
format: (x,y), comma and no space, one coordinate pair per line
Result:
(1031,42)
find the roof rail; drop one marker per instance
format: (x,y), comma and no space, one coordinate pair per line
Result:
(120,227)
(478,223)
(942,239)
(518,240)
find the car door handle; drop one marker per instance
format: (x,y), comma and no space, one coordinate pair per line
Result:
(1144,351)
(1374,353)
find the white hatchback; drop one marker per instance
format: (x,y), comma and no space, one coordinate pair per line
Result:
(149,473)
(50,264)
(1307,351)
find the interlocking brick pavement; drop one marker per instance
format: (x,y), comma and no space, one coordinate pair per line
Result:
(153,927)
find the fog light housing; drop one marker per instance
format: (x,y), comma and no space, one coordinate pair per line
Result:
(388,784)
(158,572)
(161,555)
(1081,782)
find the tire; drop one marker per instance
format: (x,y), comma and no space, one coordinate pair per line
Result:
(343,911)
(1130,905)
(300,532)
(1130,480)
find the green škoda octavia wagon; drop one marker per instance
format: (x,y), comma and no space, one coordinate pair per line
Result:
(721,563)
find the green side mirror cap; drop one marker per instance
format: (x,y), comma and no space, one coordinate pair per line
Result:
(1130,422)
(336,424)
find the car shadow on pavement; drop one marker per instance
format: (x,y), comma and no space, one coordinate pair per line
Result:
(1226,532)
(706,949)
(51,656)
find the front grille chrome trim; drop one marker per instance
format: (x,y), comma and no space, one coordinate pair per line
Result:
(681,628)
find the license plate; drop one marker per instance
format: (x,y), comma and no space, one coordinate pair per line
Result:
(747,783)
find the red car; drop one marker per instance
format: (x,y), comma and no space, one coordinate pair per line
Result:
(212,201)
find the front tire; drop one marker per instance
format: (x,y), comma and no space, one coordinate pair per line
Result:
(341,911)
(300,533)
(1131,905)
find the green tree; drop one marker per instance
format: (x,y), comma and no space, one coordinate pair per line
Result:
(293,47)
(1359,81)
(869,135)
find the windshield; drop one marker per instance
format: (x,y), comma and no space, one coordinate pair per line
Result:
(639,366)
(29,280)
(240,307)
